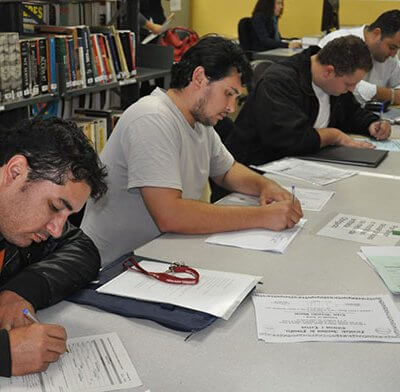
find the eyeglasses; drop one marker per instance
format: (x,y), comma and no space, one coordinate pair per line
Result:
(132,265)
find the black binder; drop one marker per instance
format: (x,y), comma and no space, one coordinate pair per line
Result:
(348,156)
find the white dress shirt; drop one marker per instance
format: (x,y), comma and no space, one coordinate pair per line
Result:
(386,74)
(324,113)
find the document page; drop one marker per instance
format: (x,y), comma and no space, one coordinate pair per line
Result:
(361,229)
(310,199)
(308,171)
(386,145)
(217,293)
(336,318)
(386,262)
(258,239)
(97,363)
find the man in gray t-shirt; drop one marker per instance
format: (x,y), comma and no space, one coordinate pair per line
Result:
(164,149)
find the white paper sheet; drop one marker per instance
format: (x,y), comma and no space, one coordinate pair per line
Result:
(310,199)
(217,293)
(302,318)
(258,239)
(361,229)
(97,363)
(386,145)
(308,171)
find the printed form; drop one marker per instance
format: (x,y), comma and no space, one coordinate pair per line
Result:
(308,171)
(97,363)
(258,239)
(334,318)
(310,199)
(361,229)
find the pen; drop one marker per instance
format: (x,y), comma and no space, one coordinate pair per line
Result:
(31,317)
(293,191)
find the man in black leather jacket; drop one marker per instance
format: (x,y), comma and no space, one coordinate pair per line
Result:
(304,103)
(47,171)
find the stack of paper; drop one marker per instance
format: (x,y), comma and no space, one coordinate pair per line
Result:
(96,363)
(310,199)
(217,293)
(308,171)
(258,239)
(385,260)
(337,318)
(361,229)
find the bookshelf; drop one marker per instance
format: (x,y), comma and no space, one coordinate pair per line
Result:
(12,20)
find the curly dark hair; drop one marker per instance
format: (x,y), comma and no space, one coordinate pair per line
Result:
(54,149)
(347,54)
(217,55)
(388,23)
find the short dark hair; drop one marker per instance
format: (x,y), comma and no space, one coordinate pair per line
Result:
(54,149)
(388,23)
(217,55)
(266,7)
(347,54)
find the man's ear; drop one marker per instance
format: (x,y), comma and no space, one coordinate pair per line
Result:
(376,34)
(16,169)
(328,72)
(199,76)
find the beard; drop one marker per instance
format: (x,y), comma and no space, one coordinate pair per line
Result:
(199,114)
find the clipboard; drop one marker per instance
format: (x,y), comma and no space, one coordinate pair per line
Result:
(348,156)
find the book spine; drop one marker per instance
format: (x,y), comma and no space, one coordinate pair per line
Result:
(68,62)
(133,52)
(71,57)
(104,56)
(88,70)
(26,92)
(33,69)
(117,63)
(15,59)
(44,82)
(51,64)
(97,59)
(125,38)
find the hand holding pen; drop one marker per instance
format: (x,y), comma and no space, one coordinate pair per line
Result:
(381,129)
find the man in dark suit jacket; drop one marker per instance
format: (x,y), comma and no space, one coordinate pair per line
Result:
(304,103)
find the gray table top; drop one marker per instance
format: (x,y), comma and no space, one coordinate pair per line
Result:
(227,356)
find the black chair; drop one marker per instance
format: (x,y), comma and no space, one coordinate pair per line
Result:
(245,33)
(259,67)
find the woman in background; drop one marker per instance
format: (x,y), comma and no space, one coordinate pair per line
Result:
(264,21)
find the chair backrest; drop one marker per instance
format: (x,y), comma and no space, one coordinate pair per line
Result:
(244,33)
(259,67)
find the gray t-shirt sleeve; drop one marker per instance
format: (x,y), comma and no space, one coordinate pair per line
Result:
(151,153)
(221,159)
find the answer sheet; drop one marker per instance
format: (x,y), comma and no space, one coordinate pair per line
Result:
(385,260)
(310,199)
(308,171)
(335,318)
(361,229)
(258,239)
(96,363)
(386,145)
(217,293)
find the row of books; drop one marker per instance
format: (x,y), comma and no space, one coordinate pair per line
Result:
(97,125)
(84,57)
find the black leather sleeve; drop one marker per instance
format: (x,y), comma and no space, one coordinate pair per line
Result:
(5,355)
(56,268)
